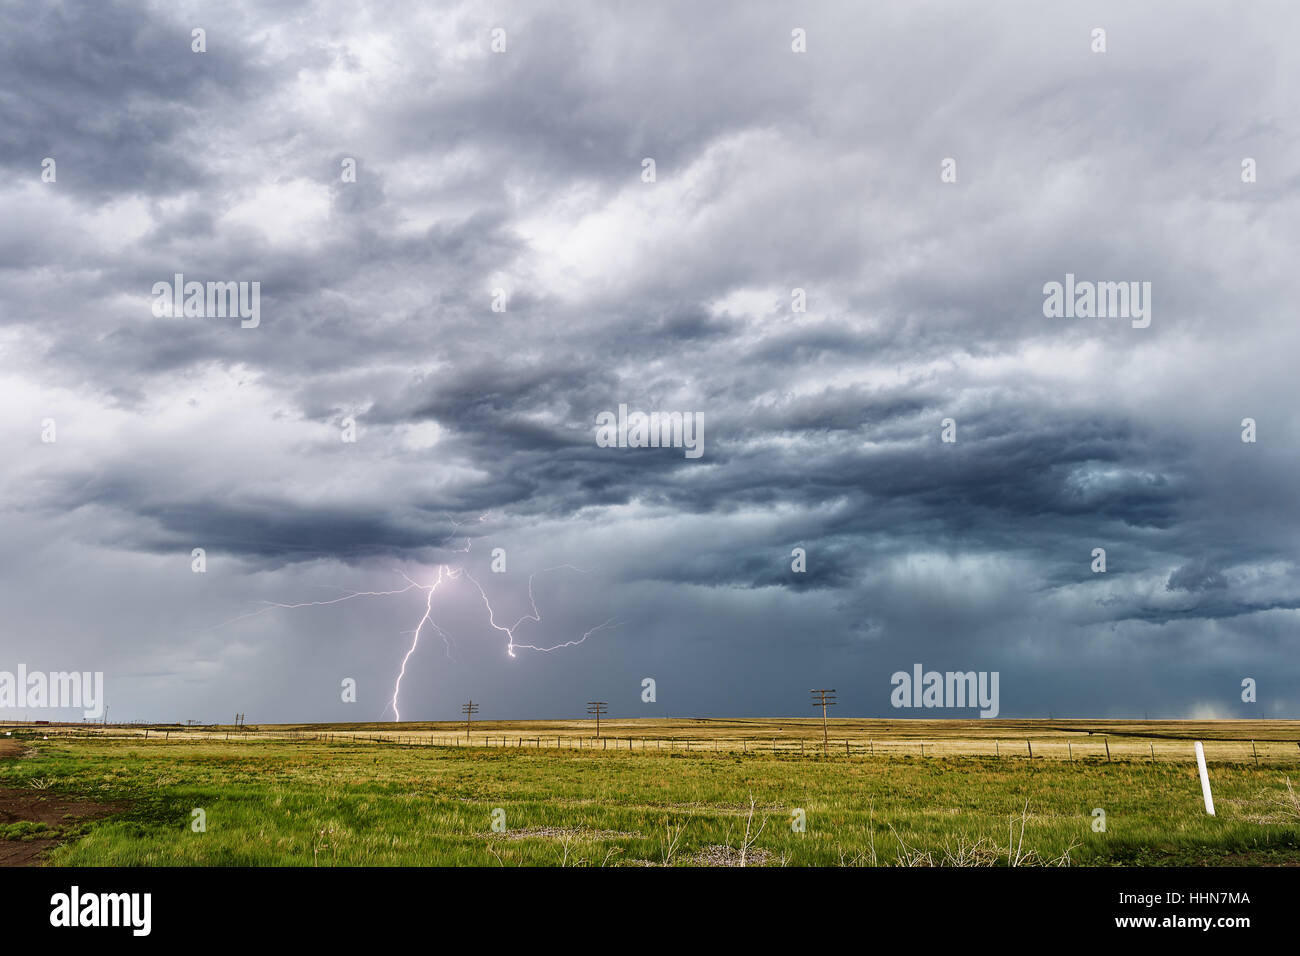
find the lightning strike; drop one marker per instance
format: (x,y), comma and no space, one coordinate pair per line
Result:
(445,573)
(536,616)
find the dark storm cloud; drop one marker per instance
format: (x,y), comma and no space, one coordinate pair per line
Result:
(111,90)
(1196,578)
(776,171)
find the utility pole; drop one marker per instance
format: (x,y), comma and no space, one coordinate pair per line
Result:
(469,710)
(824,699)
(596,707)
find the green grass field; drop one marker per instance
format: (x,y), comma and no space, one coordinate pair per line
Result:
(271,802)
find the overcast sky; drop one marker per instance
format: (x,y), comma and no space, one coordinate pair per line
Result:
(775,170)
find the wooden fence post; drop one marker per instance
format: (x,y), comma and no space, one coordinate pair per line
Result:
(1107,742)
(1031,749)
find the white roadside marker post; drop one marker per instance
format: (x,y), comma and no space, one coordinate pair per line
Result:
(1205,779)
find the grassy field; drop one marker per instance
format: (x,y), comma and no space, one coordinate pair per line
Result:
(1225,740)
(274,801)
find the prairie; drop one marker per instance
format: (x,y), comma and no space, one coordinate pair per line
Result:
(371,795)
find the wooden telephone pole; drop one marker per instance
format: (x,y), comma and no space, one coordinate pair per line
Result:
(824,699)
(469,710)
(596,707)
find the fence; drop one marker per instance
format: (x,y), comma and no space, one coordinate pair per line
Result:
(1082,748)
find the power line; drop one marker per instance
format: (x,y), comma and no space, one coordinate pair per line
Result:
(824,699)
(596,707)
(469,710)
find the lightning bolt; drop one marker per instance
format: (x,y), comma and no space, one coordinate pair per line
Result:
(536,616)
(415,641)
(446,573)
(272,605)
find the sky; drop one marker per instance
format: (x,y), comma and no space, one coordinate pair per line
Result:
(463,260)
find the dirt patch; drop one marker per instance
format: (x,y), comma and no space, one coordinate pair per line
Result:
(562,833)
(716,855)
(43,813)
(10,748)
(719,855)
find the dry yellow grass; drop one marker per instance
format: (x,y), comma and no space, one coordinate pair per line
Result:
(1060,739)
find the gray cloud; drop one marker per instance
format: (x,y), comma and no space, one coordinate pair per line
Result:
(475,429)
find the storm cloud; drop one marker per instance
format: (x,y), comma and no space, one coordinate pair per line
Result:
(515,178)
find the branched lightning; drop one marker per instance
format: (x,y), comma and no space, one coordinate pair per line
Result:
(427,619)
(446,572)
(272,605)
(536,616)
